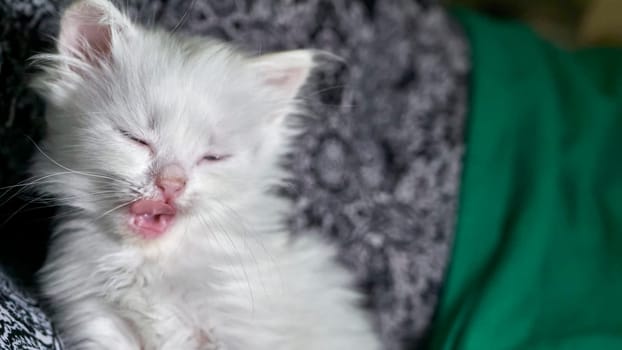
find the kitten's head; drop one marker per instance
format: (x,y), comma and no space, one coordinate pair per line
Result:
(147,129)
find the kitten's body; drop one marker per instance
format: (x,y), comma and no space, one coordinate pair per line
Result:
(164,151)
(246,294)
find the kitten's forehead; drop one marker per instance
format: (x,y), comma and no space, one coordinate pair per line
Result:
(202,82)
(201,64)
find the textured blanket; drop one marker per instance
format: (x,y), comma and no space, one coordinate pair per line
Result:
(376,172)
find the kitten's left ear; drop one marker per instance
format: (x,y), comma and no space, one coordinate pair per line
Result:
(282,74)
(88,29)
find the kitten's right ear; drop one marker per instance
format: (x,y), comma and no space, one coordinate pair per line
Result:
(89,28)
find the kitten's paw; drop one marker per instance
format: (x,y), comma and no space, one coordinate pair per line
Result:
(105,333)
(206,340)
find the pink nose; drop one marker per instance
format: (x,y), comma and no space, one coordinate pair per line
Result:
(171,181)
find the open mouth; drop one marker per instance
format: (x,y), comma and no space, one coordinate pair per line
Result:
(151,218)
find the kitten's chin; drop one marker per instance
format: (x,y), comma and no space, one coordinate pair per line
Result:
(151,219)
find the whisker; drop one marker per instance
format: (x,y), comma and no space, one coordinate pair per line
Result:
(40,181)
(17,212)
(245,233)
(29,181)
(241,222)
(92,198)
(75,171)
(115,208)
(234,218)
(183,17)
(238,255)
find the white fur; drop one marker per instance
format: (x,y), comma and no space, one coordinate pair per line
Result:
(226,275)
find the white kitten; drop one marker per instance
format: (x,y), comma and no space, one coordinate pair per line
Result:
(164,150)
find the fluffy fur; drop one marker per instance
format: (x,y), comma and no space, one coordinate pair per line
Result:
(123,103)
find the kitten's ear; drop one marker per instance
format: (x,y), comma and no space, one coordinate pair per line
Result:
(282,74)
(88,29)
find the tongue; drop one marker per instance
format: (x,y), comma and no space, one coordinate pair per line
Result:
(151,218)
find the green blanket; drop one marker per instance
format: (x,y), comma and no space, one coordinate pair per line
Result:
(537,261)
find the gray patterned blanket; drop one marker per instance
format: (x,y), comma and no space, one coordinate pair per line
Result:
(377,173)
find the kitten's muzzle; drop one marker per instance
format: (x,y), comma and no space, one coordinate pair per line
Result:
(151,218)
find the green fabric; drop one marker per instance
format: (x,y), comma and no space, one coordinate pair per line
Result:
(537,260)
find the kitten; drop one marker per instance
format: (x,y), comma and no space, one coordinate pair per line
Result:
(163,150)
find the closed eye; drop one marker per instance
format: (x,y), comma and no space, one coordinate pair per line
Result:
(212,158)
(135,139)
